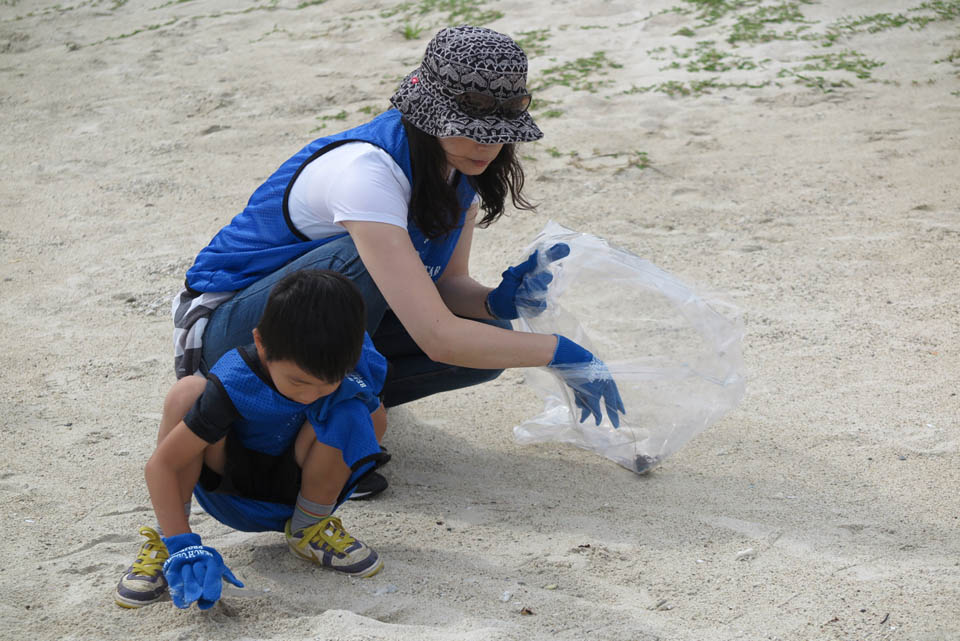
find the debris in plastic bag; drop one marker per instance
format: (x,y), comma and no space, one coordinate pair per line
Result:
(673,353)
(643,463)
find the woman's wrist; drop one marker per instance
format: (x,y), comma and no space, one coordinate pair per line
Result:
(486,306)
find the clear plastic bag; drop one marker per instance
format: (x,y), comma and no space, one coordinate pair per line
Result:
(674,355)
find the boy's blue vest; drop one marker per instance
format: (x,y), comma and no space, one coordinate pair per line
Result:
(261,239)
(269,422)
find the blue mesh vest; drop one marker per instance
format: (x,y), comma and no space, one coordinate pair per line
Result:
(269,422)
(261,239)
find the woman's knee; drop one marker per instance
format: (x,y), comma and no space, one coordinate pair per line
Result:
(231,323)
(182,395)
(477,376)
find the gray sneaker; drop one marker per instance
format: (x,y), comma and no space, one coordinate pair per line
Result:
(143,583)
(328,545)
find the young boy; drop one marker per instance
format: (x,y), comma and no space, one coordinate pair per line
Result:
(274,438)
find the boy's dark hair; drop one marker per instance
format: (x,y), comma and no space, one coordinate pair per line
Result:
(434,207)
(315,318)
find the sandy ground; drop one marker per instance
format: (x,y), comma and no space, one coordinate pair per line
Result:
(823,204)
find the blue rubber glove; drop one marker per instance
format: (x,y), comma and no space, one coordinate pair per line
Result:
(589,379)
(525,285)
(195,572)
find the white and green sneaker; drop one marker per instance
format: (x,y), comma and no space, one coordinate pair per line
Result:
(143,583)
(328,545)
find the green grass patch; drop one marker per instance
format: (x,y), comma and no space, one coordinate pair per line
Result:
(757,25)
(411,32)
(872,24)
(534,42)
(617,161)
(340,115)
(457,12)
(170,3)
(706,57)
(276,29)
(758,21)
(271,5)
(579,75)
(635,160)
(710,12)
(130,34)
(953,57)
(675,88)
(541,108)
(916,17)
(752,20)
(826,85)
(942,9)
(850,61)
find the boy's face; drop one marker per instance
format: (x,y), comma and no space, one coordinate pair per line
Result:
(296,384)
(291,380)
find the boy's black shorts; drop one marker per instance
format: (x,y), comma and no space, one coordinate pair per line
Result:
(254,475)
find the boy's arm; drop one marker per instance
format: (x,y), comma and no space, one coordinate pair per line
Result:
(178,455)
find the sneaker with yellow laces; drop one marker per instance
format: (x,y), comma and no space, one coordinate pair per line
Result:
(143,583)
(328,545)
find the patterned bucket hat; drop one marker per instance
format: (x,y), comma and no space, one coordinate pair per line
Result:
(472,83)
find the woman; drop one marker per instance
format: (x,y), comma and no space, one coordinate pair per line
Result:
(392,205)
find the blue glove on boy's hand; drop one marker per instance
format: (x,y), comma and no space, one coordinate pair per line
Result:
(195,572)
(525,285)
(589,379)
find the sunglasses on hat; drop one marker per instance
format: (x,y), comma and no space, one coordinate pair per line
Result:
(478,105)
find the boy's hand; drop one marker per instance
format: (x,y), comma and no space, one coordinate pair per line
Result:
(195,572)
(524,285)
(589,379)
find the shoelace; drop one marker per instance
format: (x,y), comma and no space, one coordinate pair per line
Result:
(336,538)
(152,554)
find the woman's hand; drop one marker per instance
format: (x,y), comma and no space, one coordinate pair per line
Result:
(525,286)
(589,379)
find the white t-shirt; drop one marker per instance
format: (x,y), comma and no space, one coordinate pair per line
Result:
(355,181)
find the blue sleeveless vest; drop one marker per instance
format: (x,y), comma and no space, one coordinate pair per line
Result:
(261,239)
(269,422)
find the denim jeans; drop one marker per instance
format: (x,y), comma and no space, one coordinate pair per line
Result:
(411,374)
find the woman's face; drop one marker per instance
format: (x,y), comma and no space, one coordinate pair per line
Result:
(468,157)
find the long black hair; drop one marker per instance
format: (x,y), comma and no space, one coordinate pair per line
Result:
(434,207)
